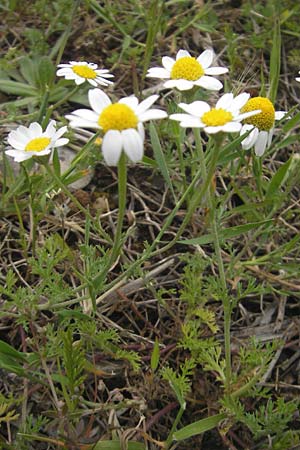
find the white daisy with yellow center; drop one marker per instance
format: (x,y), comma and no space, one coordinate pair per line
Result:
(225,116)
(260,126)
(122,123)
(186,71)
(84,71)
(32,141)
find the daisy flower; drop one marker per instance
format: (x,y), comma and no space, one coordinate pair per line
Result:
(186,71)
(261,126)
(298,78)
(84,71)
(224,117)
(121,123)
(32,141)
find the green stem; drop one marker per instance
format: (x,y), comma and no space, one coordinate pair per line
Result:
(173,429)
(122,190)
(225,297)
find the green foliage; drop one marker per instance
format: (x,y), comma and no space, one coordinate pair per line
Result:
(180,382)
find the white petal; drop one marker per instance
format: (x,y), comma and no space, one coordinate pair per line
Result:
(179,116)
(239,101)
(197,108)
(18,156)
(17,136)
(51,129)
(35,130)
(297,79)
(145,104)
(16,143)
(152,114)
(112,147)
(98,100)
(92,82)
(132,102)
(213,130)
(141,130)
(168,62)
(133,145)
(60,132)
(209,83)
(79,80)
(270,136)
(158,72)
(63,72)
(86,114)
(280,114)
(216,70)
(261,143)
(250,140)
(182,54)
(232,127)
(206,58)
(60,142)
(76,122)
(191,122)
(24,132)
(247,114)
(182,85)
(225,101)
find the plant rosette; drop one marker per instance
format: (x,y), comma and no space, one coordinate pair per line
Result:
(186,71)
(121,123)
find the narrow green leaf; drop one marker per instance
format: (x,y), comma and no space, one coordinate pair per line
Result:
(278,179)
(275,62)
(155,355)
(8,350)
(198,427)
(16,88)
(46,72)
(226,233)
(28,69)
(291,123)
(56,162)
(160,158)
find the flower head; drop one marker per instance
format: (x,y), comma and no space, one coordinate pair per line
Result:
(122,123)
(84,71)
(186,71)
(260,126)
(32,141)
(224,117)
(298,78)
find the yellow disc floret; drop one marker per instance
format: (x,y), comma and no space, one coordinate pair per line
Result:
(84,71)
(216,117)
(117,117)
(37,144)
(265,119)
(187,68)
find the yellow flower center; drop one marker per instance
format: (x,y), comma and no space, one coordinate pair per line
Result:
(216,117)
(187,68)
(117,117)
(263,120)
(37,144)
(84,71)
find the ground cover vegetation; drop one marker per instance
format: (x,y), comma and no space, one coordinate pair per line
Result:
(149,285)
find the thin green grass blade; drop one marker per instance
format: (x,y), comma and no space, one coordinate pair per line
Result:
(198,427)
(226,233)
(160,158)
(275,62)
